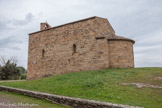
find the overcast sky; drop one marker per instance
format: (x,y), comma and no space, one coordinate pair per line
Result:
(140,20)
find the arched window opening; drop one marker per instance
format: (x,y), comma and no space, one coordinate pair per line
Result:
(46,26)
(43,52)
(74,48)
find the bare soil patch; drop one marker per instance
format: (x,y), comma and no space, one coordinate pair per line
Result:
(158,77)
(140,85)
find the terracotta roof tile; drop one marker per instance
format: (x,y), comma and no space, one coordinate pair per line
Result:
(120,38)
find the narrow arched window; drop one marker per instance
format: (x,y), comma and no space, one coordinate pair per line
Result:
(43,52)
(74,48)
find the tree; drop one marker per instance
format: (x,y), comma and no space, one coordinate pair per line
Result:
(0,72)
(21,69)
(3,61)
(9,70)
(22,72)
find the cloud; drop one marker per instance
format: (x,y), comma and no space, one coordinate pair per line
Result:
(9,41)
(28,18)
(14,37)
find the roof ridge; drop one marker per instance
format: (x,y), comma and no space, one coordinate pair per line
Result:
(68,23)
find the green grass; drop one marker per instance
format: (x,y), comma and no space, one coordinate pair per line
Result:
(18,99)
(102,85)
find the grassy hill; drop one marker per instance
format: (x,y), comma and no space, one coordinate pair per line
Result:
(103,85)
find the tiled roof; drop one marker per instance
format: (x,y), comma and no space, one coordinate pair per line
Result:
(120,38)
(68,24)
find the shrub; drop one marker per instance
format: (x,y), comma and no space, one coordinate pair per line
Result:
(9,71)
(21,69)
(23,76)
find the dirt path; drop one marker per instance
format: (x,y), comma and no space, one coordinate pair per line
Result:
(11,80)
(12,100)
(7,102)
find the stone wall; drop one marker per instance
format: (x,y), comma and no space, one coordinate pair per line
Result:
(57,45)
(121,54)
(77,46)
(64,100)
